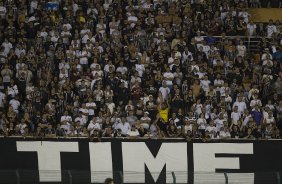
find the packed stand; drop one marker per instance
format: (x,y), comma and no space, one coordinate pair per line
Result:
(119,68)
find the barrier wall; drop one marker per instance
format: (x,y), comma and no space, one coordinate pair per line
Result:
(141,161)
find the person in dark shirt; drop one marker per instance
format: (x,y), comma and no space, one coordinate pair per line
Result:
(235,132)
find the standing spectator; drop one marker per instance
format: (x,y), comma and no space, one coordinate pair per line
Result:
(240,104)
(271,29)
(257,115)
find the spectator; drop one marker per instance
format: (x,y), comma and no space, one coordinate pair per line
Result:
(168,69)
(271,28)
(124,127)
(109,181)
(257,115)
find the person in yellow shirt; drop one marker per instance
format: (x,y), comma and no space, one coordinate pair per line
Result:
(164,111)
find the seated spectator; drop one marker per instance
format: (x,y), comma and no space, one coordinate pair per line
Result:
(123,127)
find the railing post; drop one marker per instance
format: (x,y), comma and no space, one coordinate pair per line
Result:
(249,42)
(226,178)
(70,176)
(121,177)
(18,177)
(174,177)
(278,178)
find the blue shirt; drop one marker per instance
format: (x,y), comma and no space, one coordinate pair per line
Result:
(257,115)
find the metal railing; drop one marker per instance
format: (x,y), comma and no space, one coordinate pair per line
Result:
(250,42)
(82,177)
(33,138)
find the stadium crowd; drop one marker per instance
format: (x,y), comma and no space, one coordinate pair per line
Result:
(140,68)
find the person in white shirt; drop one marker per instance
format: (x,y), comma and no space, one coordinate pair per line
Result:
(245,15)
(91,106)
(253,91)
(198,38)
(115,120)
(94,64)
(147,5)
(93,125)
(270,105)
(70,54)
(206,48)
(241,49)
(135,78)
(92,11)
(255,102)
(201,73)
(121,68)
(205,84)
(202,122)
(98,94)
(66,126)
(80,120)
(186,55)
(108,65)
(65,34)
(84,110)
(220,121)
(66,117)
(165,91)
(101,27)
(132,19)
(211,130)
(124,126)
(97,70)
(15,103)
(240,104)
(63,76)
(84,31)
(3,10)
(114,25)
(168,77)
(269,119)
(6,74)
(218,82)
(86,39)
(75,8)
(227,100)
(188,125)
(67,25)
(246,117)
(267,61)
(194,67)
(266,54)
(251,28)
(140,68)
(3,55)
(171,58)
(20,50)
(43,33)
(22,126)
(64,65)
(198,106)
(7,46)
(55,37)
(271,29)
(83,56)
(133,132)
(2,99)
(145,120)
(235,115)
(224,133)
